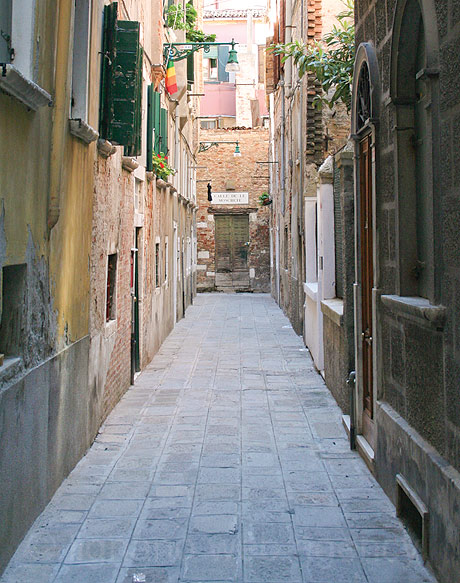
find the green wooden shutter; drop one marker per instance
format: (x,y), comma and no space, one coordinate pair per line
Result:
(137,149)
(150,126)
(156,121)
(191,69)
(121,86)
(125,86)
(164,131)
(222,63)
(107,64)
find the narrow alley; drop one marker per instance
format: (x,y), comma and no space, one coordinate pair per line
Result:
(226,461)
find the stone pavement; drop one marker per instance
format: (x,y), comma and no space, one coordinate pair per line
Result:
(226,461)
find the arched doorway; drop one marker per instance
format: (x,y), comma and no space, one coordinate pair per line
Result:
(364,131)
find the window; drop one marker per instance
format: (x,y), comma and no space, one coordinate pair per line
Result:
(80,74)
(261,60)
(190,70)
(214,64)
(414,89)
(121,82)
(17,25)
(157,264)
(19,53)
(13,317)
(80,64)
(209,124)
(286,248)
(213,71)
(157,126)
(138,196)
(110,312)
(166,258)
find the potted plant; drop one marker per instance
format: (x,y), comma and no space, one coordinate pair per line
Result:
(161,167)
(264,199)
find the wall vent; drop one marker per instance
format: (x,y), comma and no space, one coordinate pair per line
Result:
(413,513)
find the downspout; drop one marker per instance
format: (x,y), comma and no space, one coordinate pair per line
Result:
(61,109)
(288,36)
(283,161)
(302,156)
(179,206)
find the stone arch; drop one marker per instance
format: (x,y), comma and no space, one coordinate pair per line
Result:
(365,65)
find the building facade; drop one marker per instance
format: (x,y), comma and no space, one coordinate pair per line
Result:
(97,253)
(232,223)
(407,202)
(233,227)
(302,136)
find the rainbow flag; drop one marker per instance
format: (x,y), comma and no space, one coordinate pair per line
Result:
(170,82)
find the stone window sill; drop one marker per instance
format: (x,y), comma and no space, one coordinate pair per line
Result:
(418,308)
(110,328)
(333,309)
(27,92)
(311,290)
(80,129)
(128,163)
(105,148)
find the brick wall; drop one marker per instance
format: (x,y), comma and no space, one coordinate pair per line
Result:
(113,217)
(246,176)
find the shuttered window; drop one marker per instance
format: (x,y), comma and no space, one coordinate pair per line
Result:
(150,126)
(222,60)
(164,130)
(191,69)
(338,234)
(121,88)
(261,63)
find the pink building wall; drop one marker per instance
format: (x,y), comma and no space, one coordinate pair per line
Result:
(219,99)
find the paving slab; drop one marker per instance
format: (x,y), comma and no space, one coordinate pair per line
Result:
(225,462)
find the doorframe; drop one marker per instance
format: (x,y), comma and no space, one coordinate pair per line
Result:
(366,56)
(232,214)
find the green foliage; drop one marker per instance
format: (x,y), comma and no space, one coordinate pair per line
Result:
(264,199)
(331,60)
(161,167)
(176,20)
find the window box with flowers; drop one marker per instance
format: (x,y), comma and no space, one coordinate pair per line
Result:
(161,167)
(264,199)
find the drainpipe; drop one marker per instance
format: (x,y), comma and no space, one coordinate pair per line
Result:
(288,35)
(61,109)
(302,155)
(283,161)
(351,382)
(179,205)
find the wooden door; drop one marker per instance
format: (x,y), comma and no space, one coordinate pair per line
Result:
(367,283)
(232,243)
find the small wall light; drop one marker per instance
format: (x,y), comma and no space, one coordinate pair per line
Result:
(237,152)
